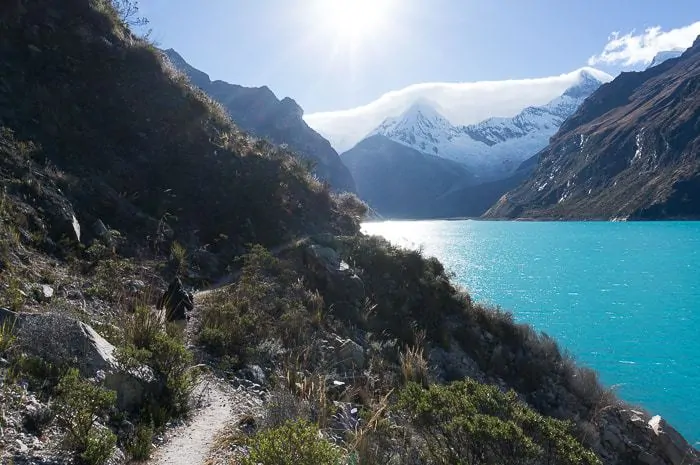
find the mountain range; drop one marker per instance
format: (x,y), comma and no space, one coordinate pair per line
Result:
(494,148)
(258,111)
(486,159)
(631,151)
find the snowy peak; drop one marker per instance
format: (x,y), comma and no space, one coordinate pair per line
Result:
(494,148)
(422,113)
(418,127)
(664,56)
(589,80)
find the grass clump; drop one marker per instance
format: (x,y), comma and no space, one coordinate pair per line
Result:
(79,404)
(293,443)
(7,336)
(467,422)
(149,342)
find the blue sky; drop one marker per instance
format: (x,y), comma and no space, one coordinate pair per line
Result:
(293,46)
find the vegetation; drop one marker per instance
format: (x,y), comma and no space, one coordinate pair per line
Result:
(293,443)
(113,133)
(268,301)
(468,423)
(148,341)
(78,406)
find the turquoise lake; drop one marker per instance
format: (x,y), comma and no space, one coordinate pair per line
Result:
(623,298)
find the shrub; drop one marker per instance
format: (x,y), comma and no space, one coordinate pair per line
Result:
(141,445)
(99,447)
(269,300)
(408,290)
(171,363)
(466,422)
(178,258)
(78,406)
(414,366)
(293,443)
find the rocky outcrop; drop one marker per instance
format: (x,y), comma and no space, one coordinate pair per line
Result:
(629,436)
(332,275)
(258,111)
(631,151)
(64,341)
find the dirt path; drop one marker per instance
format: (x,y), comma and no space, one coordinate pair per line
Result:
(191,444)
(218,405)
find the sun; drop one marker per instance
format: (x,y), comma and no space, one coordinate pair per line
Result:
(353,21)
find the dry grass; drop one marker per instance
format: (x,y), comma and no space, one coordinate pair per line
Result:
(414,366)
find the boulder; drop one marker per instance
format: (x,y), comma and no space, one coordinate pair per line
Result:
(333,276)
(99,229)
(61,340)
(671,443)
(453,364)
(628,433)
(43,292)
(349,354)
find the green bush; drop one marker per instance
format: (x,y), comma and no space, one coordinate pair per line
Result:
(99,446)
(171,364)
(79,403)
(141,445)
(409,291)
(293,443)
(149,342)
(269,300)
(467,423)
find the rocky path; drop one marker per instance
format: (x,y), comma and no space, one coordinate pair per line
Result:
(191,443)
(218,406)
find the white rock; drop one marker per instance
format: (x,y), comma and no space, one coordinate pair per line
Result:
(46,291)
(22,446)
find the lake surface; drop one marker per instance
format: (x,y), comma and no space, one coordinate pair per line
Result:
(624,298)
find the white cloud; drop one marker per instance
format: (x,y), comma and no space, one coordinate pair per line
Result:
(634,49)
(461,103)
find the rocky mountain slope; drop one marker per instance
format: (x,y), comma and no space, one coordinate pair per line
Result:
(258,111)
(118,176)
(631,151)
(492,149)
(400,182)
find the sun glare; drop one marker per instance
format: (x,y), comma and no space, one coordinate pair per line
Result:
(352,21)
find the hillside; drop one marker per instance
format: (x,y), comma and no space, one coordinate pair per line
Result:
(258,111)
(120,177)
(402,183)
(629,152)
(399,182)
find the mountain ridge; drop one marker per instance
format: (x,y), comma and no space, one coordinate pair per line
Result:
(259,111)
(629,152)
(492,149)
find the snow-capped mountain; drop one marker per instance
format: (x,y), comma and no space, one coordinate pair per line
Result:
(494,148)
(663,56)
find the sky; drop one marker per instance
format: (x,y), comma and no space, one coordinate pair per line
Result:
(293,47)
(347,57)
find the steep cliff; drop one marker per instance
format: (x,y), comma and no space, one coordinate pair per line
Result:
(631,151)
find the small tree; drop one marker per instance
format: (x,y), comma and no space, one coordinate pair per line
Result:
(128,11)
(79,405)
